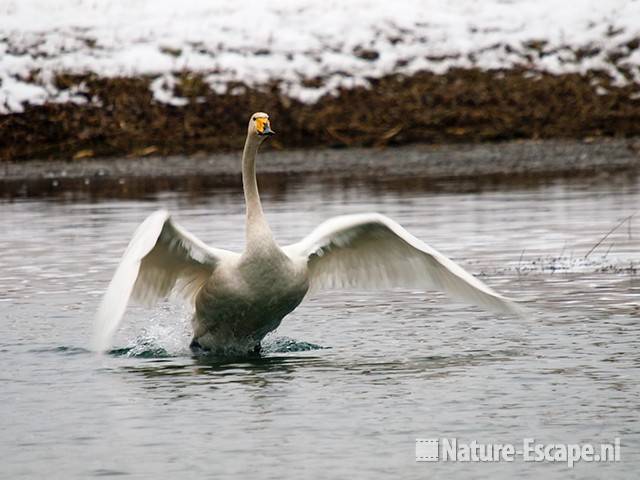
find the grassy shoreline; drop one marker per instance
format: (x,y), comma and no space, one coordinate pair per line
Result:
(464,105)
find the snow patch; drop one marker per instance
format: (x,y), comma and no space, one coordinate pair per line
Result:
(340,44)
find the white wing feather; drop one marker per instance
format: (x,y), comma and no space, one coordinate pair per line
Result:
(161,258)
(372,251)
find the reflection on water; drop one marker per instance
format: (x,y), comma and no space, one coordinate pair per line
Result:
(350,379)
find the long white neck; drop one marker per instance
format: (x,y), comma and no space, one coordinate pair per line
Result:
(257,229)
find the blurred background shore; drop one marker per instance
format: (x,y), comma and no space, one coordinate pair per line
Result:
(137,79)
(426,168)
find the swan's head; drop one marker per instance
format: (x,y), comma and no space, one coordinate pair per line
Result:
(259,126)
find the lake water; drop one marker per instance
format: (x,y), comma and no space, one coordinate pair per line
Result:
(350,379)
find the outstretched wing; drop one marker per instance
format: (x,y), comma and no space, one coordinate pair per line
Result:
(162,258)
(372,251)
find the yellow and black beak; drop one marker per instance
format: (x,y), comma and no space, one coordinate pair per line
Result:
(263,127)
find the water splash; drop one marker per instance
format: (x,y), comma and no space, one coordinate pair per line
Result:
(141,350)
(158,340)
(165,343)
(288,345)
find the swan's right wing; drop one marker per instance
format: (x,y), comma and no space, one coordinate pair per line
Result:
(162,258)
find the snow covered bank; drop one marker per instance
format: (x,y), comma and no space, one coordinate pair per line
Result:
(309,48)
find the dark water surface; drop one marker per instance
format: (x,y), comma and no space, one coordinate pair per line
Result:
(394,366)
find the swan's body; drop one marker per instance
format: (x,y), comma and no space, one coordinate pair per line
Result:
(247,297)
(239,298)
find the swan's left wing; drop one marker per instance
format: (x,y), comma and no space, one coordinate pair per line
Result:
(372,251)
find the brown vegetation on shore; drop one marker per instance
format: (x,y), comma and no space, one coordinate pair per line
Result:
(122,117)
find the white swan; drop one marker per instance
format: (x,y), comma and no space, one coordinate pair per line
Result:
(239,298)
